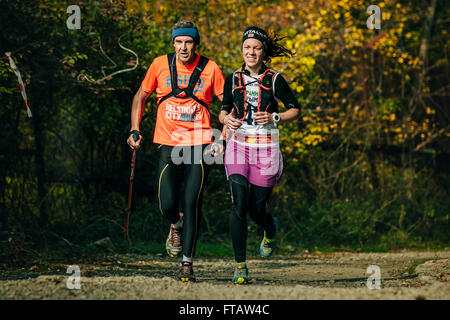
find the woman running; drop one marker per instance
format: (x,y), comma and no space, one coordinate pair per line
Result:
(253,160)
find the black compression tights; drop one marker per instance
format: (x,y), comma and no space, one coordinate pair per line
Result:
(169,178)
(253,199)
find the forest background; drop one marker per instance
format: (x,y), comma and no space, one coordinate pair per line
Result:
(366,167)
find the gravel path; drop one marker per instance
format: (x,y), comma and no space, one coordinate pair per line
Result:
(404,275)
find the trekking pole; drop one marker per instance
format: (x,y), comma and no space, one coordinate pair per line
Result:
(130,188)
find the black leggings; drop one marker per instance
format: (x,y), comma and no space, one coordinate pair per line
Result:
(254,200)
(170,177)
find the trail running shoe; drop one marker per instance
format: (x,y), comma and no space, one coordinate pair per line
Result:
(240,273)
(268,245)
(173,242)
(186,272)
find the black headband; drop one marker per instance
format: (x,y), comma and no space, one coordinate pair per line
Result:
(255,33)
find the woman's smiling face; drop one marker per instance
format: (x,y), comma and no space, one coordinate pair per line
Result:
(253,53)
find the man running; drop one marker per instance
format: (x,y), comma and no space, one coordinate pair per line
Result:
(184,82)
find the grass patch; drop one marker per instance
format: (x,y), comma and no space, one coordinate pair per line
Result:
(214,250)
(146,247)
(408,271)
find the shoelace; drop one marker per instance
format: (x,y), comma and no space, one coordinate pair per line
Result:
(186,268)
(176,237)
(267,244)
(241,268)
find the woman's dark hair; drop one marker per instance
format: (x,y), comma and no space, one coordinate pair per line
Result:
(274,48)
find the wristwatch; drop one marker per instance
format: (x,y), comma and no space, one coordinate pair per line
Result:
(276,117)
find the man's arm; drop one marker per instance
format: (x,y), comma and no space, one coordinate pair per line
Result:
(137,110)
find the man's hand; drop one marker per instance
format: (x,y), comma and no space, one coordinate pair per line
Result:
(134,144)
(217,149)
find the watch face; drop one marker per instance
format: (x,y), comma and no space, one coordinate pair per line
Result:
(276,117)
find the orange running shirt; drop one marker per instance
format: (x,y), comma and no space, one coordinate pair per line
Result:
(183,122)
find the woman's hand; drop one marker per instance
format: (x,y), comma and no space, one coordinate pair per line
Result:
(262,117)
(231,122)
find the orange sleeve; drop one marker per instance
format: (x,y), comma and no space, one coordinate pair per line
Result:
(218,80)
(151,78)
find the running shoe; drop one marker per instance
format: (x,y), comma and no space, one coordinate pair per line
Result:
(173,242)
(186,272)
(268,245)
(240,273)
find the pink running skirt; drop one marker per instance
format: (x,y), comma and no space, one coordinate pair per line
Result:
(261,165)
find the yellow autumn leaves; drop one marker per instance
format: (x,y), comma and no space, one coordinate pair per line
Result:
(338,66)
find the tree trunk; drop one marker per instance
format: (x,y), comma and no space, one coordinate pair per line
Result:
(40,167)
(423,53)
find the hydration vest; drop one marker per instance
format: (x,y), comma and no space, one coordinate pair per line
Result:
(266,98)
(188,92)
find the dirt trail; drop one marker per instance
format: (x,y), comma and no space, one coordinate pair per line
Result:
(404,275)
